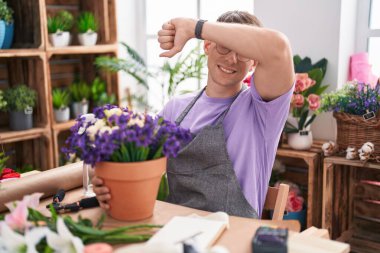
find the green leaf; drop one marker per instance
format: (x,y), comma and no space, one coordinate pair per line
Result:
(302,119)
(310,120)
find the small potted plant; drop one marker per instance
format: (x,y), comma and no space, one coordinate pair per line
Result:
(59,28)
(80,95)
(87,27)
(61,100)
(20,102)
(6,25)
(305,102)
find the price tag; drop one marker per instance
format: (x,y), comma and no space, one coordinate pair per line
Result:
(369,115)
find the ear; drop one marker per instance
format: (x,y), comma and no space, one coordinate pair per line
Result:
(253,66)
(206,46)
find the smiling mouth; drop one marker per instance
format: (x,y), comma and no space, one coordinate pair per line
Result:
(226,70)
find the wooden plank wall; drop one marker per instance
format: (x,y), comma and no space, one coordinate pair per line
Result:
(27,33)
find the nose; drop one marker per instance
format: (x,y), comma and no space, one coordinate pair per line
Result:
(232,57)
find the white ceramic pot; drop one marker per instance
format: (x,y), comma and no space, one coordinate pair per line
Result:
(60,39)
(79,108)
(88,38)
(62,115)
(302,140)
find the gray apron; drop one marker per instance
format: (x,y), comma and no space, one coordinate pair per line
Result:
(202,175)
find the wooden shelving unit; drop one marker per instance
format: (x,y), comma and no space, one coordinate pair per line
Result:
(34,62)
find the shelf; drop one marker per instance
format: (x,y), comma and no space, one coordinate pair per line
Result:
(8,53)
(7,136)
(97,49)
(63,126)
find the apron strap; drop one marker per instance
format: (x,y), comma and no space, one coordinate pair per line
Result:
(188,108)
(223,115)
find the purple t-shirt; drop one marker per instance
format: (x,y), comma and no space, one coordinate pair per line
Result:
(252,130)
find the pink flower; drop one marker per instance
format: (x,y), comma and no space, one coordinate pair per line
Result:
(314,102)
(303,82)
(294,203)
(18,218)
(31,201)
(298,100)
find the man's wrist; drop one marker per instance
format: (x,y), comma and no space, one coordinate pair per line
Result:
(198,29)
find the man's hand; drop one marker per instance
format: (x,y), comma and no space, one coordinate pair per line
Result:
(102,193)
(174,35)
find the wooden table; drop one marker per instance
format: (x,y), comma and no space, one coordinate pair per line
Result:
(237,238)
(312,158)
(338,192)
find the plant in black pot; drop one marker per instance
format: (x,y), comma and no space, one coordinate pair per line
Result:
(6,25)
(61,100)
(20,102)
(80,94)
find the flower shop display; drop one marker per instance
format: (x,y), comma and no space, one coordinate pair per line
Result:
(61,101)
(87,26)
(305,101)
(80,94)
(129,153)
(6,25)
(25,229)
(59,28)
(20,102)
(356,107)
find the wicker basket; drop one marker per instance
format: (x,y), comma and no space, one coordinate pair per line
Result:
(353,130)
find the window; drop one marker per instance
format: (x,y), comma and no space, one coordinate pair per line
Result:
(158,12)
(368,26)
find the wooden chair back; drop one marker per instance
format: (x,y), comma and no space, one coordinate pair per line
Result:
(276,200)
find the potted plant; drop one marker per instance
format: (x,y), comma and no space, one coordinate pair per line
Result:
(87,27)
(6,25)
(80,95)
(356,107)
(59,28)
(305,102)
(20,102)
(128,151)
(99,94)
(61,100)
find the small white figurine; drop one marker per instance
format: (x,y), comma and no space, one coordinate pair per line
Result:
(329,148)
(351,153)
(366,151)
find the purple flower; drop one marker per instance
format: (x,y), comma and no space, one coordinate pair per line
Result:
(121,135)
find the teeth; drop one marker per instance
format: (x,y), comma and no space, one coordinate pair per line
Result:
(228,71)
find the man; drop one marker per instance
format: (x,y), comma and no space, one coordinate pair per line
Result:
(228,164)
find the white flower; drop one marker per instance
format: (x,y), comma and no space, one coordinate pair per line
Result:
(113,111)
(137,120)
(93,130)
(89,118)
(15,242)
(105,129)
(64,241)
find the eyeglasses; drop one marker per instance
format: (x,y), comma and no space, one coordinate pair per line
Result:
(224,51)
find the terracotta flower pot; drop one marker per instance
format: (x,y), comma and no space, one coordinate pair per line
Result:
(133,187)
